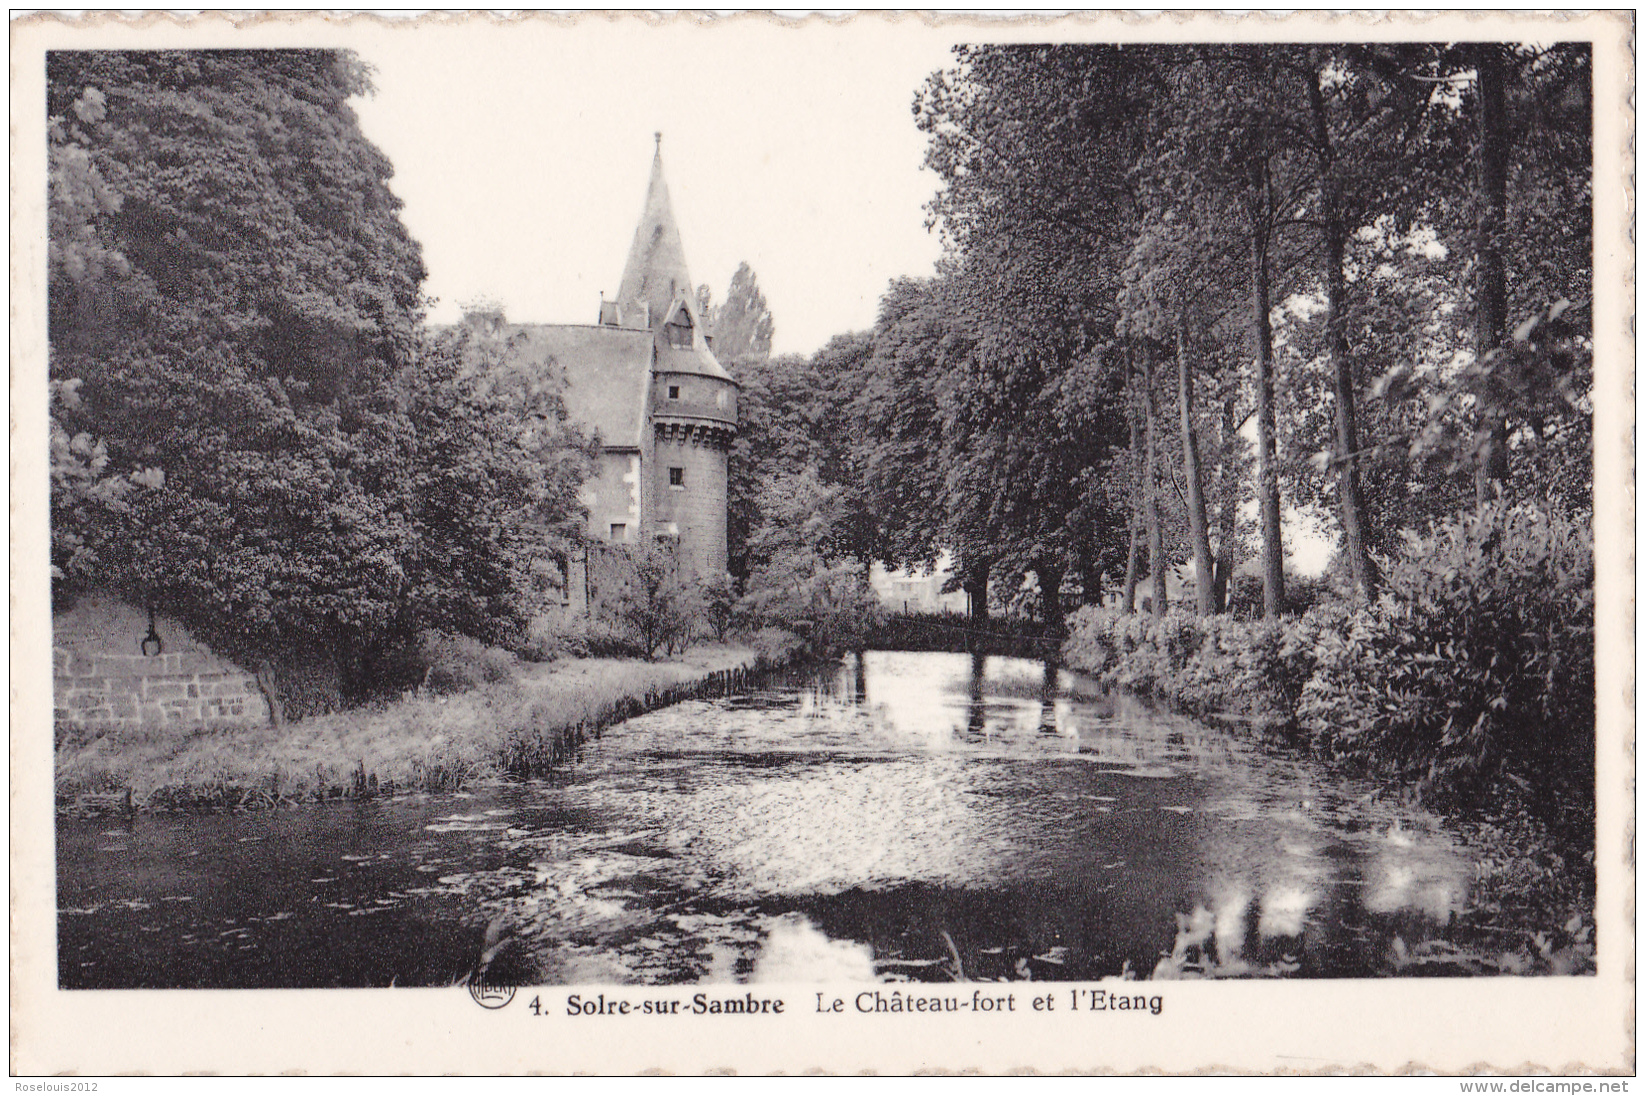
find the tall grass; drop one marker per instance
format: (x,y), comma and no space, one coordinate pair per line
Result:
(419,742)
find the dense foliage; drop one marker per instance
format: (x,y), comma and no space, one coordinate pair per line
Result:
(1193,293)
(1475,663)
(249,428)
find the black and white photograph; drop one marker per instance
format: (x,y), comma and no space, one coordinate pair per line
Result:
(690,518)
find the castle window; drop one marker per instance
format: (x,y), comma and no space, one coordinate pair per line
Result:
(619,533)
(673,391)
(676,477)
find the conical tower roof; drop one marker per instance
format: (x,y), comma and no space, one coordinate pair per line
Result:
(655,273)
(656,283)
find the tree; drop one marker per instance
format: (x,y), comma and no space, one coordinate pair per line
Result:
(742,326)
(1282,222)
(1491,290)
(1468,408)
(1034,146)
(778,410)
(897,422)
(493,418)
(1199,523)
(1150,489)
(643,592)
(234,305)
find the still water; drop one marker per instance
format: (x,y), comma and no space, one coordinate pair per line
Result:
(892,816)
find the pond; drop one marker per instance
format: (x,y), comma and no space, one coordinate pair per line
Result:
(890,816)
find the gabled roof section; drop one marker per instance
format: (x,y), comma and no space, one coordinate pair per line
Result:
(608,376)
(655,273)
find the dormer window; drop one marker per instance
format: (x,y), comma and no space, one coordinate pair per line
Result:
(680,328)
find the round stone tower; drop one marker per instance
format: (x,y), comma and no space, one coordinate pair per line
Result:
(692,401)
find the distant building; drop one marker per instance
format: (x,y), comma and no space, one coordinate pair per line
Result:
(644,379)
(910,591)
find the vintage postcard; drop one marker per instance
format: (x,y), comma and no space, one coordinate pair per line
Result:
(614,543)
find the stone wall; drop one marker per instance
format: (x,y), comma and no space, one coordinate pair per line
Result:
(101,678)
(695,512)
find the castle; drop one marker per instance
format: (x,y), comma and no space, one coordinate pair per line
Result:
(645,381)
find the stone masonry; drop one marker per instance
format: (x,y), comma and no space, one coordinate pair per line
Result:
(95,684)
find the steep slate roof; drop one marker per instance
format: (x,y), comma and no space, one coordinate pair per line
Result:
(656,275)
(608,366)
(607,373)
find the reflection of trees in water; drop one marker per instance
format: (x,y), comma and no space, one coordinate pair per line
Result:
(1258,865)
(1125,732)
(976,713)
(1292,889)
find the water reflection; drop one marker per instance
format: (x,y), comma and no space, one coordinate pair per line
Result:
(896,816)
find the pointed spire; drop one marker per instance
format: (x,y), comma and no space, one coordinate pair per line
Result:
(655,274)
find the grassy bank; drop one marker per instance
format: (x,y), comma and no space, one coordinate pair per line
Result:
(419,742)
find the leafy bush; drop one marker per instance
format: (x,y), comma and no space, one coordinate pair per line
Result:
(643,594)
(458,663)
(1477,659)
(833,609)
(1475,662)
(718,595)
(1203,664)
(773,645)
(556,635)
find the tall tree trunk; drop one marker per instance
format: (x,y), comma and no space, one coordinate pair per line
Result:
(1228,516)
(1128,598)
(976,588)
(1090,578)
(1262,336)
(1150,488)
(1134,519)
(1050,580)
(1350,504)
(269,683)
(1198,526)
(1491,285)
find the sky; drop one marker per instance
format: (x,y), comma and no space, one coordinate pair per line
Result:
(522,155)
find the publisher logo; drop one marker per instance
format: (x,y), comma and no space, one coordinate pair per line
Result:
(489,994)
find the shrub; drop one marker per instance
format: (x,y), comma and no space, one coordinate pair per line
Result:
(562,635)
(773,645)
(1202,664)
(718,596)
(1476,660)
(642,593)
(832,609)
(1302,593)
(456,664)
